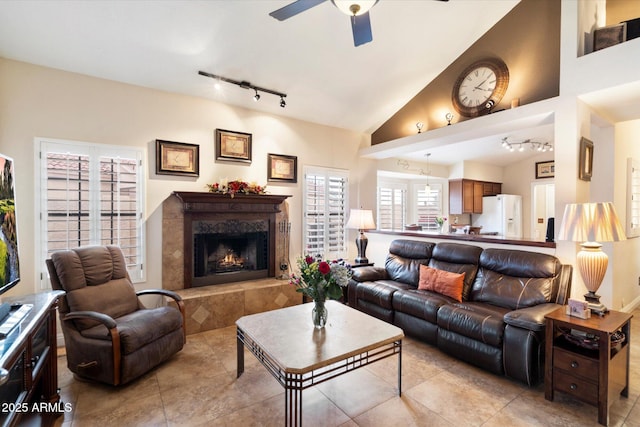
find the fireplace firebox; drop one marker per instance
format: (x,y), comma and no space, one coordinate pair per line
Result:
(230,250)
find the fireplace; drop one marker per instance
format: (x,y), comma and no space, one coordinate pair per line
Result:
(215,239)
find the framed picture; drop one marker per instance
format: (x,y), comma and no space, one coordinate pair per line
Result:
(233,146)
(585,163)
(545,169)
(609,36)
(281,168)
(177,158)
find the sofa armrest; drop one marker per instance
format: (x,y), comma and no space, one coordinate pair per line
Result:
(531,318)
(369,274)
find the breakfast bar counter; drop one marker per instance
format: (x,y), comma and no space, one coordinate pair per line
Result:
(468,238)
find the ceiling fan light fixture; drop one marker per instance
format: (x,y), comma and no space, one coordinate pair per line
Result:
(354,7)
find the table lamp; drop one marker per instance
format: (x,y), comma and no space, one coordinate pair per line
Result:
(361,219)
(591,223)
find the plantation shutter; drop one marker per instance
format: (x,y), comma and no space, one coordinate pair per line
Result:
(391,207)
(429,206)
(119,211)
(91,195)
(67,201)
(324,216)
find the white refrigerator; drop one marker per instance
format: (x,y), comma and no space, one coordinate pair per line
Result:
(501,215)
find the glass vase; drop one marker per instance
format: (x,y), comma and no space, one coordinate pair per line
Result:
(319,314)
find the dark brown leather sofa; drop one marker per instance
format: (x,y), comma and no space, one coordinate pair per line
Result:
(499,324)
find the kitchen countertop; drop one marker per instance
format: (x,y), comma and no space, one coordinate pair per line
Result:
(485,238)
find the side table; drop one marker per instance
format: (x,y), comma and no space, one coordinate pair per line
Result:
(593,375)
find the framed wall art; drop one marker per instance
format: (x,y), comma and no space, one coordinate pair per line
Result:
(545,169)
(282,168)
(177,158)
(233,146)
(585,163)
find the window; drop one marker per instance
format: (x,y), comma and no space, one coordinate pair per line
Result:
(392,206)
(428,205)
(325,212)
(91,194)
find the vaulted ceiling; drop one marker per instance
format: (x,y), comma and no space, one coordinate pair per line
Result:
(310,57)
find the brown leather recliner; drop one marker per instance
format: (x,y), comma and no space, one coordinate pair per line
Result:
(109,335)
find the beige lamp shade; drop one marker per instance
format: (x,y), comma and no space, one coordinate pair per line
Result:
(361,219)
(591,223)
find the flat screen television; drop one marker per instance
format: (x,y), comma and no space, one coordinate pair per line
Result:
(9,262)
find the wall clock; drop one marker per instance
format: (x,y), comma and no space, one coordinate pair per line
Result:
(480,87)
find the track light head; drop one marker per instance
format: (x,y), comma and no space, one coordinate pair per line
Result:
(256,97)
(282,102)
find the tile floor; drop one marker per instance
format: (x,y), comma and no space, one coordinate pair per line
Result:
(198,387)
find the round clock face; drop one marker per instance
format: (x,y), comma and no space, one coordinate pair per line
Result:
(480,87)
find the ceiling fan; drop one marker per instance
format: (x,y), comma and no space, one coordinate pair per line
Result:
(358,10)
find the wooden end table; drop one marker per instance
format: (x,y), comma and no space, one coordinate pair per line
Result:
(593,375)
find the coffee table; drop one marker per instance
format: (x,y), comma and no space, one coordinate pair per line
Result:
(300,356)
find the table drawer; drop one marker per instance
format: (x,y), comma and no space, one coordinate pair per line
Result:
(575,364)
(577,387)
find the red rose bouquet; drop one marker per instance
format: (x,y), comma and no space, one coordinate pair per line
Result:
(321,280)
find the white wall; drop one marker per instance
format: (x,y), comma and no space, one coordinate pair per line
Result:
(626,254)
(43,102)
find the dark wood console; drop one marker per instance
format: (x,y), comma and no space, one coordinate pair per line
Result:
(28,361)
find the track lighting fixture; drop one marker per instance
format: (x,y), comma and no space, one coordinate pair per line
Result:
(542,147)
(247,85)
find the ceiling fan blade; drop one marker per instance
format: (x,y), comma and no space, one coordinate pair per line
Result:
(361,26)
(294,8)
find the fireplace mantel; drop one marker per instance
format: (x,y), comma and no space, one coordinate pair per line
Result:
(195,207)
(218,202)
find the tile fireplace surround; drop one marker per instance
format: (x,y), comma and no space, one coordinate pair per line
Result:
(218,306)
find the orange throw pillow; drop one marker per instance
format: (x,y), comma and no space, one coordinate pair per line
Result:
(442,282)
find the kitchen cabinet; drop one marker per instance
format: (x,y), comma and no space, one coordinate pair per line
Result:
(465,195)
(491,188)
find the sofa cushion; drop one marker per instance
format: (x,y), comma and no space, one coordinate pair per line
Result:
(478,321)
(140,328)
(404,260)
(114,298)
(380,292)
(515,279)
(457,258)
(421,304)
(441,282)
